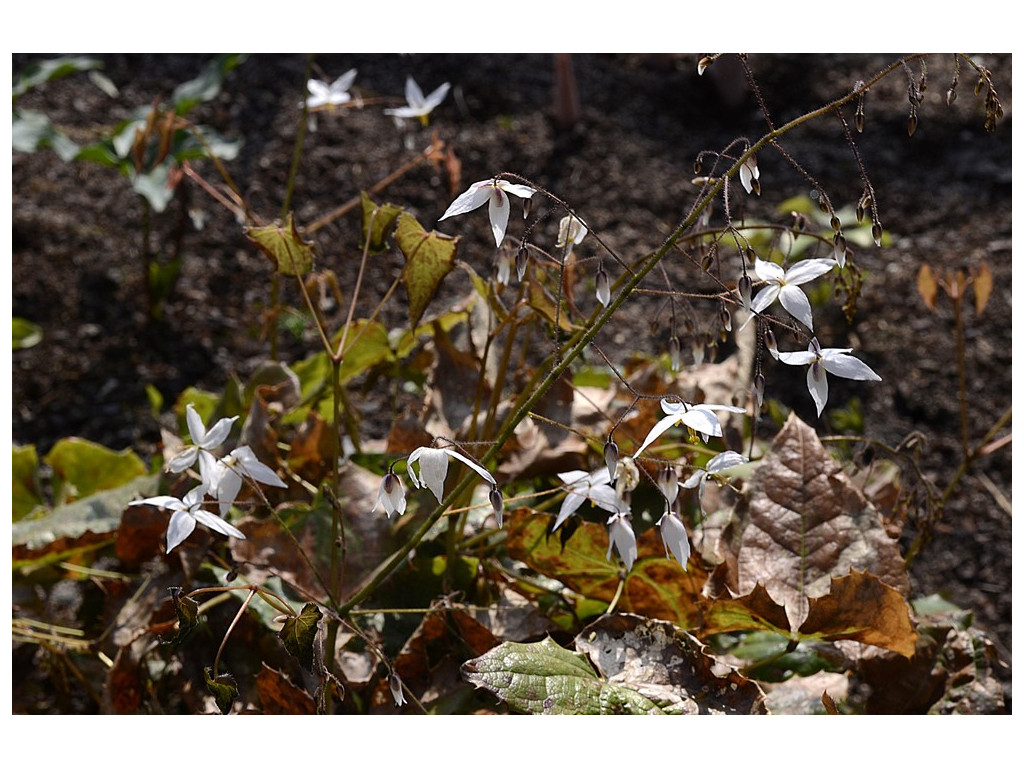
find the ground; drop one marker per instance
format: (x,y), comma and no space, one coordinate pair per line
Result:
(626,164)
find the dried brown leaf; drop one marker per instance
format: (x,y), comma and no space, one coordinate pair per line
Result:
(800,523)
(927,285)
(280,696)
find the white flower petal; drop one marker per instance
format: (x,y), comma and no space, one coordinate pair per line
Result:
(847,366)
(413,94)
(703,420)
(218,524)
(436,96)
(796,358)
(808,269)
(433,464)
(183,460)
(519,190)
(498,210)
(817,385)
(179,528)
(621,536)
(256,469)
(471,464)
(795,302)
(665,424)
(478,193)
(725,460)
(769,271)
(764,298)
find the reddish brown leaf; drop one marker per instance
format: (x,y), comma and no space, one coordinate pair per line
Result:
(280,696)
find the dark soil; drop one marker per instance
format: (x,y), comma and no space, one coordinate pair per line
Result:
(626,165)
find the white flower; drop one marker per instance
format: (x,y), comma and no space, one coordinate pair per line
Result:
(835,361)
(714,468)
(749,175)
(700,418)
(622,538)
(782,285)
(571,231)
(581,486)
(391,495)
(203,441)
(602,286)
(321,94)
(433,468)
(224,476)
(673,535)
(186,513)
(395,684)
(419,106)
(493,192)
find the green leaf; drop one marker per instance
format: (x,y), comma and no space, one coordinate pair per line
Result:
(81,468)
(283,245)
(429,257)
(299,632)
(99,513)
(39,72)
(224,689)
(544,678)
(187,611)
(153,186)
(377,221)
(25,479)
(32,130)
(207,85)
(25,333)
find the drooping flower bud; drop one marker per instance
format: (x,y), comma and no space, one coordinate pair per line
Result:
(876,233)
(395,684)
(749,175)
(703,64)
(611,458)
(698,350)
(769,342)
(603,286)
(759,389)
(725,316)
(668,483)
(836,224)
(745,286)
(839,249)
(522,259)
(497,503)
(674,353)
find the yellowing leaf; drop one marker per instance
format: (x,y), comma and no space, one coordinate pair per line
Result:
(429,257)
(82,468)
(982,288)
(927,285)
(283,245)
(377,221)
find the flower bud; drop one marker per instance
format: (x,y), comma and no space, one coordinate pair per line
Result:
(698,350)
(876,233)
(395,684)
(836,224)
(725,316)
(497,503)
(703,64)
(674,353)
(522,260)
(744,286)
(611,458)
(603,286)
(839,249)
(527,205)
(668,483)
(950,97)
(769,342)
(759,389)
(912,123)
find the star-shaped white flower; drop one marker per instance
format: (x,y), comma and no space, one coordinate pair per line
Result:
(700,418)
(203,441)
(782,284)
(186,513)
(391,495)
(418,105)
(749,175)
(581,486)
(836,361)
(495,193)
(433,468)
(622,538)
(714,468)
(673,536)
(224,476)
(323,95)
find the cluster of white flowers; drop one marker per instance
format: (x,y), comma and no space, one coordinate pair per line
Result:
(221,480)
(323,95)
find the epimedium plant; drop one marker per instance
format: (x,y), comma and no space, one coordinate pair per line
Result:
(323,530)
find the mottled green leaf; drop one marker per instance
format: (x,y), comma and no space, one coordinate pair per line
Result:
(25,481)
(299,632)
(284,246)
(223,688)
(429,257)
(39,72)
(208,84)
(377,221)
(544,678)
(187,611)
(82,468)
